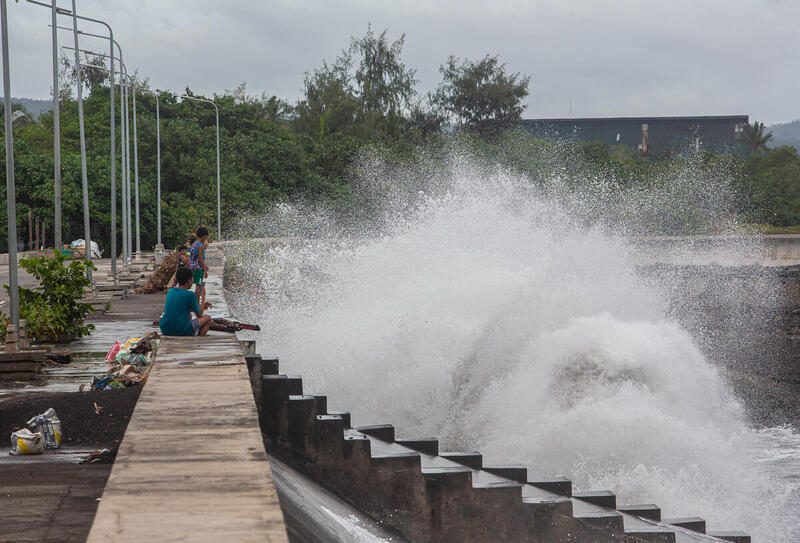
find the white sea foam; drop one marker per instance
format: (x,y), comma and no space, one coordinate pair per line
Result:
(492,317)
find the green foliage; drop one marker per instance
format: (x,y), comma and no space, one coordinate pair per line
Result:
(53,309)
(756,137)
(480,95)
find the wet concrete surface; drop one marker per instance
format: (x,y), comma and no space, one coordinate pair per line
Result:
(54,496)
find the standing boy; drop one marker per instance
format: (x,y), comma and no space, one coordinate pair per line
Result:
(197,263)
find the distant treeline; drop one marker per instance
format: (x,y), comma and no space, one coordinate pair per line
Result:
(271,150)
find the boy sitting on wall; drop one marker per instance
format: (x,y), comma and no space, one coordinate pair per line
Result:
(181,302)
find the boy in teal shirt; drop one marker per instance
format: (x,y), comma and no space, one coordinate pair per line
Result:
(177,319)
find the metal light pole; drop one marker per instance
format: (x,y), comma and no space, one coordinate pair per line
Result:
(112,42)
(84,179)
(219,199)
(56,138)
(13,290)
(158,144)
(136,174)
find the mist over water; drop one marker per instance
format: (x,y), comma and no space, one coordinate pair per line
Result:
(509,316)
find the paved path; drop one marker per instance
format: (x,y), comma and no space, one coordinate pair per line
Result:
(192,465)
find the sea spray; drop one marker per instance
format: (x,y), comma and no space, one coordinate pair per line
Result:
(510,317)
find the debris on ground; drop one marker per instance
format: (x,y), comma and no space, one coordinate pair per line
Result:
(42,432)
(158,281)
(26,442)
(132,363)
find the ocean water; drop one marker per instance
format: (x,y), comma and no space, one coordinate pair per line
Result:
(493,315)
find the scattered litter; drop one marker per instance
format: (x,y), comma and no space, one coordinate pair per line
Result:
(49,425)
(59,357)
(112,352)
(97,408)
(26,442)
(79,246)
(131,360)
(42,432)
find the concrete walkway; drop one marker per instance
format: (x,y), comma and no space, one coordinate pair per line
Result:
(192,466)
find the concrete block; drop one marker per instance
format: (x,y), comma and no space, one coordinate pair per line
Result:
(696,524)
(515,472)
(733,537)
(302,412)
(425,445)
(248,346)
(356,445)
(295,385)
(649,511)
(328,435)
(609,520)
(322,403)
(602,498)
(398,462)
(274,405)
(269,366)
(472,460)
(345,416)
(384,432)
(656,534)
(557,485)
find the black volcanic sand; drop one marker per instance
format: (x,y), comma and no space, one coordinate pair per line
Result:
(746,320)
(81,424)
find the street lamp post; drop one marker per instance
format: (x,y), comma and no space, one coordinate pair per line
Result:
(158,144)
(219,199)
(56,138)
(13,291)
(112,41)
(84,178)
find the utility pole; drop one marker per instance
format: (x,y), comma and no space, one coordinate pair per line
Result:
(11,197)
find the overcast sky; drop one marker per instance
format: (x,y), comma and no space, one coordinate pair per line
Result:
(610,58)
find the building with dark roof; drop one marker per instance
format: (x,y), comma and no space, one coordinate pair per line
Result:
(650,135)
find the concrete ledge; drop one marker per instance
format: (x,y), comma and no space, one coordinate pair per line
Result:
(192,466)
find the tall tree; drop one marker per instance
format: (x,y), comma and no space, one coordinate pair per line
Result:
(385,85)
(480,94)
(330,103)
(755,136)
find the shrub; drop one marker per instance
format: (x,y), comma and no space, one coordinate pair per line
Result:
(53,309)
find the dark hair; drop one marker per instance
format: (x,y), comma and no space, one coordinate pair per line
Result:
(183,275)
(202,232)
(192,237)
(180,248)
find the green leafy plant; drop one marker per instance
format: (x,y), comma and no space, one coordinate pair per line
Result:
(53,310)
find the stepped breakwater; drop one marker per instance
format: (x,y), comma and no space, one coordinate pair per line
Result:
(494,315)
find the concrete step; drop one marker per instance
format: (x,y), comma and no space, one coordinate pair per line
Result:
(472,460)
(384,432)
(649,511)
(557,485)
(696,524)
(602,498)
(427,445)
(733,537)
(515,472)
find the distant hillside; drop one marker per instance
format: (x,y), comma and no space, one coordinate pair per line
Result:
(32,105)
(785,134)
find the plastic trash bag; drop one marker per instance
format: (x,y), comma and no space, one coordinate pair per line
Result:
(26,442)
(49,425)
(112,352)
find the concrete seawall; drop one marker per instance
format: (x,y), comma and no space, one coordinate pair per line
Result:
(432,496)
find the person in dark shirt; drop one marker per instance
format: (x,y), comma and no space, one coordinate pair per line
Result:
(181,302)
